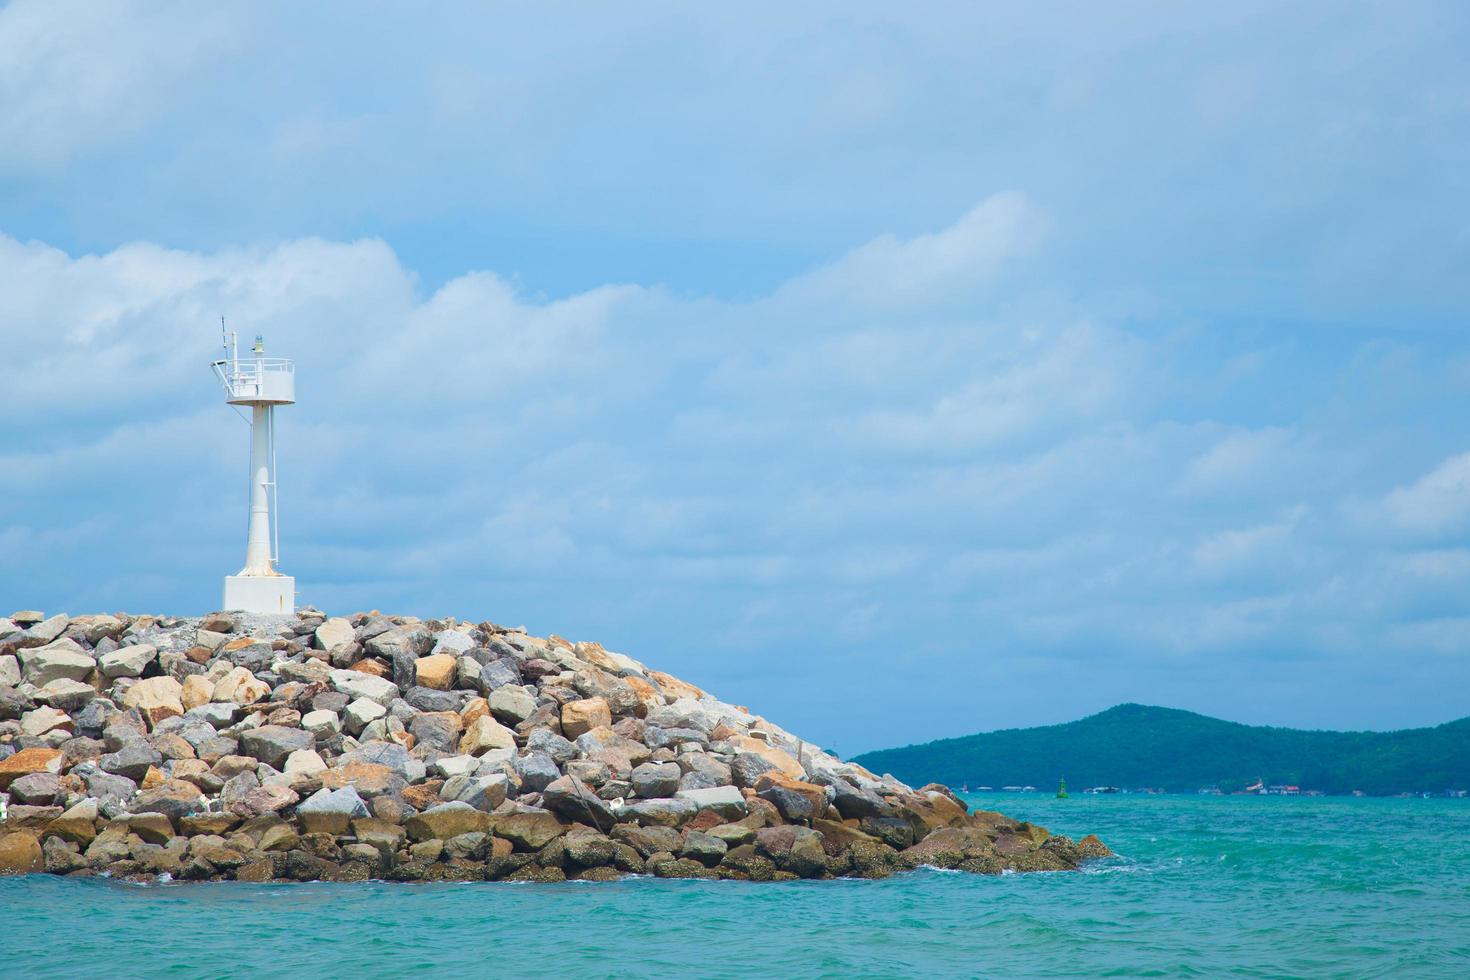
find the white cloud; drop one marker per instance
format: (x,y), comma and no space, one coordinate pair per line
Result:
(75,75)
(932,268)
(1438,501)
(1027,380)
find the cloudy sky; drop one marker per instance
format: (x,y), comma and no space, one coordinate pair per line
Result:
(902,371)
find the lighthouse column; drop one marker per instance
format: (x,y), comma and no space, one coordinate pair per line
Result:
(258,541)
(262,383)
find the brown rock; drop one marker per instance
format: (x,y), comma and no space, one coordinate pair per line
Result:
(76,826)
(240,687)
(674,688)
(174,798)
(580,717)
(423,795)
(20,816)
(368,778)
(28,761)
(156,698)
(381,834)
(527,831)
(370,666)
(196,824)
(447,820)
(484,734)
(436,671)
(473,709)
(196,690)
(779,758)
(258,870)
(153,828)
(20,854)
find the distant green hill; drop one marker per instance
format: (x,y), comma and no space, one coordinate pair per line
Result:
(1134,745)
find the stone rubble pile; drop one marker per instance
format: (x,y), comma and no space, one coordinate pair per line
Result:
(328,748)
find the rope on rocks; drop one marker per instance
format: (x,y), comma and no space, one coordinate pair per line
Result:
(577,785)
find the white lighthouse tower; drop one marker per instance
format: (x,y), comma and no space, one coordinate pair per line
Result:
(262,383)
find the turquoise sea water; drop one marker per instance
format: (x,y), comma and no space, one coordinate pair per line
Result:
(1258,887)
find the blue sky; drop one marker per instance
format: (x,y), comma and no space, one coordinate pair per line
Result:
(900,372)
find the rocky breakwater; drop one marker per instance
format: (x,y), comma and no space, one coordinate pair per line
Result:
(328,748)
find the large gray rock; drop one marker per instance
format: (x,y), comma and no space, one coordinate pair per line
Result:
(577,801)
(272,743)
(255,656)
(704,848)
(685,713)
(355,684)
(648,840)
(67,695)
(330,811)
(9,671)
(129,661)
(727,801)
(709,770)
(131,760)
(548,741)
(536,770)
(481,792)
(588,849)
(389,754)
(659,813)
(747,767)
(321,723)
(14,704)
(433,699)
(38,789)
(851,802)
(195,730)
(361,713)
(413,638)
(45,631)
(62,659)
(93,718)
(436,730)
(122,728)
(216,714)
(452,642)
(511,704)
(109,789)
(656,779)
(497,674)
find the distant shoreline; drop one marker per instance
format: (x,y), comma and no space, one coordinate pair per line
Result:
(1139,747)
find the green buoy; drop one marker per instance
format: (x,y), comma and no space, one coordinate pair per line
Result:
(1062,790)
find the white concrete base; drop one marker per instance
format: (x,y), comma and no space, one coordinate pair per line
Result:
(260,593)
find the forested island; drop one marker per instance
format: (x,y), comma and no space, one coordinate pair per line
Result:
(1135,745)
